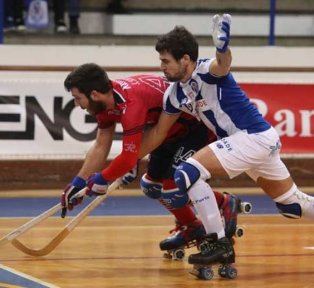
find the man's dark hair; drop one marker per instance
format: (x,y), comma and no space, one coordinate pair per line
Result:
(88,77)
(178,42)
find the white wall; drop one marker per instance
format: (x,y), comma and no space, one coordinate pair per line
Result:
(62,55)
(146,56)
(199,24)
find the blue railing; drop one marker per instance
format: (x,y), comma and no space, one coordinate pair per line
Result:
(272,13)
(1,20)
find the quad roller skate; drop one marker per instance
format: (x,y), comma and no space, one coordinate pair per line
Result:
(184,236)
(214,252)
(187,236)
(229,210)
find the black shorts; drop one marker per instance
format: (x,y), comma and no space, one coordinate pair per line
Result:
(164,159)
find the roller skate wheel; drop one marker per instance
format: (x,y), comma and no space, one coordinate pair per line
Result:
(227,272)
(246,207)
(239,232)
(167,255)
(205,273)
(178,254)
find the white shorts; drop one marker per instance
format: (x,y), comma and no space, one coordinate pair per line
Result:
(258,155)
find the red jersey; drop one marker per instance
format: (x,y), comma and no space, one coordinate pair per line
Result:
(138,102)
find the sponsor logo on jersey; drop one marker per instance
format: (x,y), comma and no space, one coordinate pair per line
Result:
(130,147)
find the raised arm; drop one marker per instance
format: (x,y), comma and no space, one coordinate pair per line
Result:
(155,135)
(221,37)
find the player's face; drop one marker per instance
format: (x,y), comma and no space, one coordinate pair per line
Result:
(91,106)
(174,70)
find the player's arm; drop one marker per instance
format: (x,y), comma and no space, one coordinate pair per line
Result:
(220,66)
(94,161)
(155,135)
(97,184)
(98,153)
(126,160)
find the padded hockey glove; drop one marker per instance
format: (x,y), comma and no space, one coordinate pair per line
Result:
(67,199)
(221,31)
(96,185)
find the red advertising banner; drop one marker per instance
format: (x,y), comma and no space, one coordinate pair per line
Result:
(290,109)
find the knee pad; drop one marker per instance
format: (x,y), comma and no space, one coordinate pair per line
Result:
(187,173)
(172,197)
(151,189)
(175,199)
(293,210)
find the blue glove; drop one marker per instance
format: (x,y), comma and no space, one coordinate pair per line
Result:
(221,32)
(96,185)
(68,201)
(131,175)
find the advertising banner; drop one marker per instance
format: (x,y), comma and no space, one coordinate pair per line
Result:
(38,119)
(290,109)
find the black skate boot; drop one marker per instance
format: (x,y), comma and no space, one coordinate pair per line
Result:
(214,251)
(184,236)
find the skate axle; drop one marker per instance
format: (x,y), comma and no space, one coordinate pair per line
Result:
(245,207)
(179,253)
(239,232)
(206,272)
(175,254)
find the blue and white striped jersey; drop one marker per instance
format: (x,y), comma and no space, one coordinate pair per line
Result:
(217,101)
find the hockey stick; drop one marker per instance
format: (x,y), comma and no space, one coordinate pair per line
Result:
(33,222)
(28,225)
(67,229)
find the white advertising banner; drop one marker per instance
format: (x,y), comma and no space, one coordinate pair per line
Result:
(38,120)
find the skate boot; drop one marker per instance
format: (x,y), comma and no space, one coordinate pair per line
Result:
(184,236)
(230,208)
(214,251)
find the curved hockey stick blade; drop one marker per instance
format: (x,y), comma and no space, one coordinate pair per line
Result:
(33,222)
(44,251)
(30,224)
(67,229)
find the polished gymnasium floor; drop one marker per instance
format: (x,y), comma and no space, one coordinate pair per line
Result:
(117,246)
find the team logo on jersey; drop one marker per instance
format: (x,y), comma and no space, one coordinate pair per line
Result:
(194,85)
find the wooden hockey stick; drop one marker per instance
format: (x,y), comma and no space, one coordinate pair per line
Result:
(30,224)
(67,229)
(33,222)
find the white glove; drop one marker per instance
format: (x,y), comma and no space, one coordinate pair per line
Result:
(221,31)
(131,175)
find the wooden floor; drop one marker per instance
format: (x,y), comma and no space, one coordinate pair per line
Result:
(123,251)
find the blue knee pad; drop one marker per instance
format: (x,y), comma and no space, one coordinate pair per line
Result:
(293,210)
(150,188)
(175,199)
(185,176)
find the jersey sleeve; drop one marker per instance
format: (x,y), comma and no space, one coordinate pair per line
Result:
(104,121)
(133,122)
(126,160)
(170,102)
